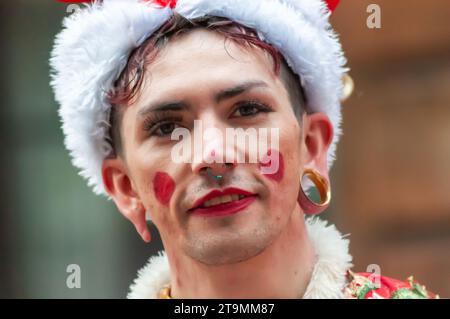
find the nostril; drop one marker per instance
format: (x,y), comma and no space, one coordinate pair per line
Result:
(204,171)
(230,164)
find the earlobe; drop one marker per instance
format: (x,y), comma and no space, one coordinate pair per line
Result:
(323,186)
(118,185)
(137,217)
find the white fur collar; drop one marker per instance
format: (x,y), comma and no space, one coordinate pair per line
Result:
(328,279)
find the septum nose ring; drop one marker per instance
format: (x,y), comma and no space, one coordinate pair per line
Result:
(217,177)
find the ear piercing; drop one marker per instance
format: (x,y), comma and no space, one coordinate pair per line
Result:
(323,186)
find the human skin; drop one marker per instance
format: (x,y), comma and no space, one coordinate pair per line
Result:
(261,252)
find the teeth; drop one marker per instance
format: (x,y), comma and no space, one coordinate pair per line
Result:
(215,201)
(222,200)
(225,199)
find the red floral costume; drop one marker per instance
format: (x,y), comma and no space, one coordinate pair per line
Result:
(374,286)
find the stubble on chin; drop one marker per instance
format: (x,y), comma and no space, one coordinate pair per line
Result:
(229,247)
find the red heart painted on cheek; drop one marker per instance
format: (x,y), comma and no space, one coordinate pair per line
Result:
(163,186)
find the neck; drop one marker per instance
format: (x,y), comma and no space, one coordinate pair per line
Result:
(282,270)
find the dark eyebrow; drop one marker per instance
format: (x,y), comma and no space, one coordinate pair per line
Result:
(161,107)
(237,90)
(219,97)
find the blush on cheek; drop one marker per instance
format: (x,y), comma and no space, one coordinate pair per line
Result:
(276,173)
(163,186)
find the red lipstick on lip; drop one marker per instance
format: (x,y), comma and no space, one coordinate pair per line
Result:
(224,208)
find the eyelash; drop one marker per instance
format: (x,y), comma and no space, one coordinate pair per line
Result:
(261,107)
(156,120)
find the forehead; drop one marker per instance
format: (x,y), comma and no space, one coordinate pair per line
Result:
(202,59)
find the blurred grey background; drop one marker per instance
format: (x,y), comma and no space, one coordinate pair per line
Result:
(390,183)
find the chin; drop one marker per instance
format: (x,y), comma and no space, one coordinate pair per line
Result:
(232,245)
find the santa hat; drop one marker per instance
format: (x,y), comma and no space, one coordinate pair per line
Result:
(93,48)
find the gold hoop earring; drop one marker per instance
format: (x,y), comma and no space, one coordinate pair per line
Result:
(323,186)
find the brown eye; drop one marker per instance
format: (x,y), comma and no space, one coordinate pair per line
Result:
(161,125)
(164,129)
(250,109)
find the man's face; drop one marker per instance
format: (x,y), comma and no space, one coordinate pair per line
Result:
(193,69)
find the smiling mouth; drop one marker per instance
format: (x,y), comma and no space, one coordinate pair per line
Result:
(219,203)
(221,200)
